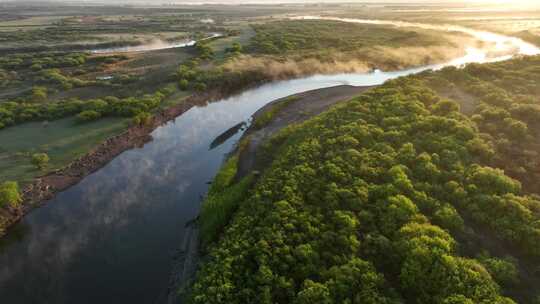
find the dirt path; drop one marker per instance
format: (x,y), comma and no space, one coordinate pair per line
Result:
(308,104)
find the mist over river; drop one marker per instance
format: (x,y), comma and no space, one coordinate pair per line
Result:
(155,45)
(112,237)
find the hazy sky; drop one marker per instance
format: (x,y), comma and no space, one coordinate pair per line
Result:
(310,1)
(524,3)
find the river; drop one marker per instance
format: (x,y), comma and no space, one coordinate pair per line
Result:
(111,238)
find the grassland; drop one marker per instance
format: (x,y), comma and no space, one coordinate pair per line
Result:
(63,140)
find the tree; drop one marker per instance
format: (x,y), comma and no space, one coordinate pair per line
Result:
(448,217)
(355,282)
(445,107)
(515,128)
(457,299)
(313,292)
(481,148)
(184,72)
(40,160)
(493,181)
(235,49)
(504,271)
(10,194)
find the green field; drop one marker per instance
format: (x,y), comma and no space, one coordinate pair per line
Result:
(63,140)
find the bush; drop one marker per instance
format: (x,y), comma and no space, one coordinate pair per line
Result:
(183,84)
(40,160)
(200,86)
(142,119)
(87,116)
(10,194)
(39,94)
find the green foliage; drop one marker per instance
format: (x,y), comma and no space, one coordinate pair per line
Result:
(353,195)
(87,116)
(504,271)
(235,49)
(304,36)
(200,86)
(506,111)
(39,94)
(10,195)
(56,78)
(142,119)
(183,84)
(42,60)
(40,160)
(223,199)
(12,113)
(493,181)
(63,140)
(268,115)
(204,50)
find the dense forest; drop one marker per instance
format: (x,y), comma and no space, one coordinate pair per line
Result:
(293,48)
(423,190)
(318,36)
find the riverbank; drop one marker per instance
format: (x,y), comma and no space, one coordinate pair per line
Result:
(45,187)
(286,111)
(290,110)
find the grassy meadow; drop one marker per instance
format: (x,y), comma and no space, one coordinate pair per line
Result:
(63,140)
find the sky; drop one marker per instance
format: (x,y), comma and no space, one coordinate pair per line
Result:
(319,1)
(497,2)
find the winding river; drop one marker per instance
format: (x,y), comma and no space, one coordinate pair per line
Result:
(112,237)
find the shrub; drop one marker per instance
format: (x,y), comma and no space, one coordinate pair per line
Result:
(200,86)
(142,119)
(87,116)
(10,194)
(39,94)
(183,84)
(40,160)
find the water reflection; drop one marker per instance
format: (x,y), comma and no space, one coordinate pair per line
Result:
(223,137)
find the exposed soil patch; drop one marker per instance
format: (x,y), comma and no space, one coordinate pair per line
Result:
(305,106)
